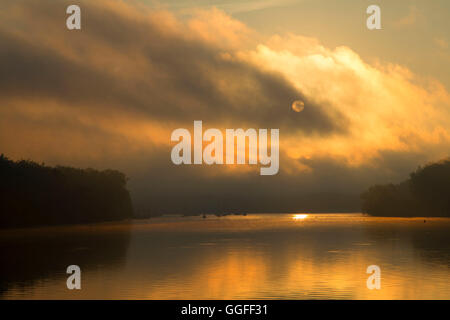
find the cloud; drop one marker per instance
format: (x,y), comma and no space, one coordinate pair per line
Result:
(387,107)
(141,63)
(232,7)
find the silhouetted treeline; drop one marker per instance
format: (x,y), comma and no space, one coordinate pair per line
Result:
(33,194)
(425,193)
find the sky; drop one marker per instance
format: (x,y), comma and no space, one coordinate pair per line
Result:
(376,102)
(415,32)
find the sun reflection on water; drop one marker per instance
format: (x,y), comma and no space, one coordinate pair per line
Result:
(299,216)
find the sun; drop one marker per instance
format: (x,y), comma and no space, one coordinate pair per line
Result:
(299,216)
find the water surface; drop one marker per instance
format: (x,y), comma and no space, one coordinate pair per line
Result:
(318,256)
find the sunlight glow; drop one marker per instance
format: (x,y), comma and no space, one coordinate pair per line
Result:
(299,216)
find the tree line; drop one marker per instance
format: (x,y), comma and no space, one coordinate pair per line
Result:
(33,194)
(425,193)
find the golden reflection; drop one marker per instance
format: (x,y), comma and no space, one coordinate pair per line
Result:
(299,216)
(299,263)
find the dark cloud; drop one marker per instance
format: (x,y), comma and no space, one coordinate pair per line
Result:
(183,78)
